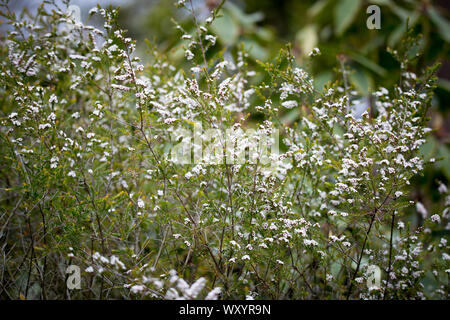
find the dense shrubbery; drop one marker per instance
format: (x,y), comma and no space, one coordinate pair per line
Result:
(87,178)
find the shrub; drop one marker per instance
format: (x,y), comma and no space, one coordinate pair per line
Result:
(89,176)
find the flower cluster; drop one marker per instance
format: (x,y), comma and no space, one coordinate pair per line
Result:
(87,179)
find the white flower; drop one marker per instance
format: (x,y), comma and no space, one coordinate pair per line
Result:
(53,98)
(210,38)
(195,289)
(189,55)
(116,262)
(374,287)
(246,257)
(172,294)
(196,69)
(54,162)
(314,52)
(72,174)
(310,242)
(137,288)
(436,218)
(141,203)
(442,188)
(51,117)
(234,243)
(182,285)
(213,294)
(89,269)
(75,115)
(44,126)
(104,259)
(289,104)
(421,209)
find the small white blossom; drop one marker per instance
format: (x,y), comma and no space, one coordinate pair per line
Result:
(436,218)
(72,174)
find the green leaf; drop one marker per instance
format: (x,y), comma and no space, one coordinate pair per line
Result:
(362,81)
(317,7)
(264,34)
(444,84)
(291,116)
(428,149)
(444,152)
(307,38)
(246,20)
(255,50)
(226,29)
(442,23)
(368,64)
(344,14)
(321,79)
